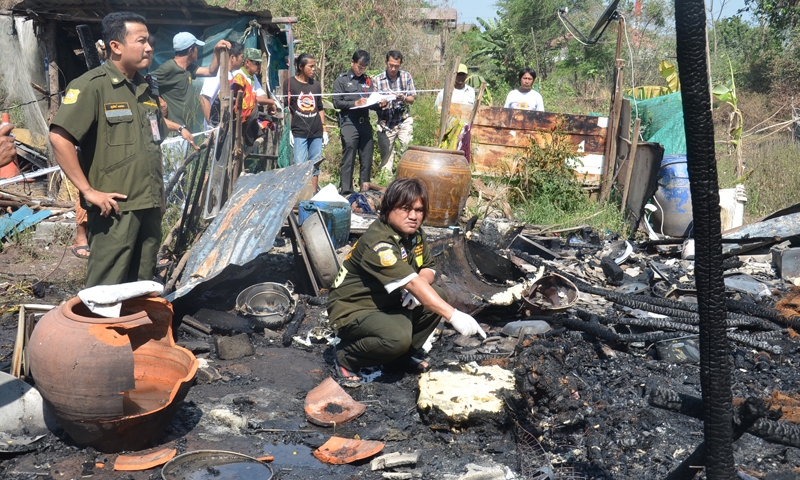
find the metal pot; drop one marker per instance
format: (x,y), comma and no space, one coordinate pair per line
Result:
(269,304)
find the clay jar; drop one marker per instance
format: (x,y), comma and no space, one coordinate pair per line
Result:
(113,383)
(447,176)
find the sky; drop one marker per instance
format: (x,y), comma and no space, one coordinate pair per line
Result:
(469,10)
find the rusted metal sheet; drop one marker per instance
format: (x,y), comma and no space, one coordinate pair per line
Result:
(501,134)
(247,224)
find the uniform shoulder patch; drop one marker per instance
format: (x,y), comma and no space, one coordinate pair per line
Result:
(387,258)
(381,246)
(71,96)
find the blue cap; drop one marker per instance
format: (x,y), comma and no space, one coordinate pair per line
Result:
(184,40)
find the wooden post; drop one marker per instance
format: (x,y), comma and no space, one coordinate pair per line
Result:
(613,120)
(54,101)
(449,84)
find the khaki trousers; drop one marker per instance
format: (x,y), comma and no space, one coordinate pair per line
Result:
(404,132)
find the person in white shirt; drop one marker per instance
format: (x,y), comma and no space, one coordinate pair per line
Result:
(210,90)
(462,93)
(525,98)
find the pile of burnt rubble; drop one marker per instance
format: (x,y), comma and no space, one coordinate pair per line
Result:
(600,337)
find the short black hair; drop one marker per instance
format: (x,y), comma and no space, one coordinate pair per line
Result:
(185,51)
(401,193)
(114,27)
(361,56)
(302,60)
(530,71)
(396,54)
(236,49)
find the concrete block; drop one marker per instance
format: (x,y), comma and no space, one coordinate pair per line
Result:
(395,459)
(195,346)
(231,348)
(207,375)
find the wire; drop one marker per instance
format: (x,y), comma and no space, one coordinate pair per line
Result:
(570,31)
(9,107)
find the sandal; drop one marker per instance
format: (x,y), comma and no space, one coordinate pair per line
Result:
(410,363)
(346,377)
(82,248)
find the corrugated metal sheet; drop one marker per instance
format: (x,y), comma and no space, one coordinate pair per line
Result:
(247,224)
(103,7)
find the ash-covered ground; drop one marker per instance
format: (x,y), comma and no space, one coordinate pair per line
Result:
(587,401)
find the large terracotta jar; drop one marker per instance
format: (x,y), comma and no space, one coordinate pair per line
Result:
(113,383)
(447,176)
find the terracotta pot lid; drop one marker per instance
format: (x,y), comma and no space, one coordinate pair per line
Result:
(329,405)
(338,450)
(144,462)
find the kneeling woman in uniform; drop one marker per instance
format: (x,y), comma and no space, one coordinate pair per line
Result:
(383,302)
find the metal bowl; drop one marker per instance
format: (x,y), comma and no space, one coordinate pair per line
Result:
(550,294)
(215,465)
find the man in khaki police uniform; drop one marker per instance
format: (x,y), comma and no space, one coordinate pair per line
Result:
(111,113)
(383,303)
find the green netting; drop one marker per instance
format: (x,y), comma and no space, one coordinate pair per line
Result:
(285,147)
(662,122)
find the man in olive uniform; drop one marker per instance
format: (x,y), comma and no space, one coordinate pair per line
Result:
(353,88)
(383,302)
(111,113)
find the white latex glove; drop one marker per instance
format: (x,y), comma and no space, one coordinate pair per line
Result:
(465,324)
(291,139)
(325,138)
(409,300)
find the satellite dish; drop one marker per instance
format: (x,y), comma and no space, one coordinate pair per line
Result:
(605,19)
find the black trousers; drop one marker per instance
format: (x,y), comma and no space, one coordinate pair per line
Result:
(356,137)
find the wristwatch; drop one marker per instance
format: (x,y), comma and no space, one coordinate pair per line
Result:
(180,129)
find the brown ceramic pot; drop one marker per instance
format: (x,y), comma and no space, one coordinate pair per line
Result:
(113,383)
(447,176)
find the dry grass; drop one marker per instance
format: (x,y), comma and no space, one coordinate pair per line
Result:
(770,159)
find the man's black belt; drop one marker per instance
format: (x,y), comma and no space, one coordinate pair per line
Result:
(362,119)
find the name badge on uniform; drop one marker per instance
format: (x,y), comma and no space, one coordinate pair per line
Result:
(119,109)
(154,126)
